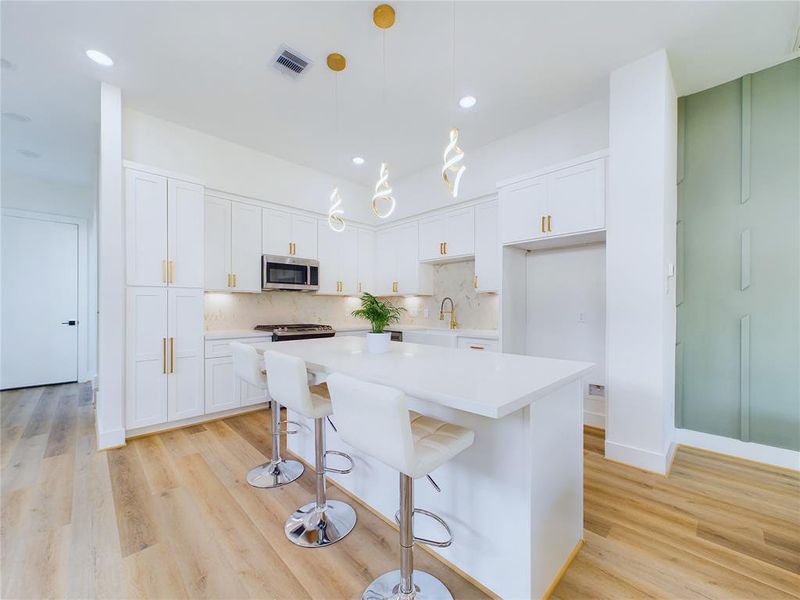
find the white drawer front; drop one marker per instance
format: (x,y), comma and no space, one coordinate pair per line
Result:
(221,348)
(468,343)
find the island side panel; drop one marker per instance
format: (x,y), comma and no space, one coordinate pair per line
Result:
(485,494)
(556,434)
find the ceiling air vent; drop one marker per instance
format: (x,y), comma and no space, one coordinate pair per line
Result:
(290,62)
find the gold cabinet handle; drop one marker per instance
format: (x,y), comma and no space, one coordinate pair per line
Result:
(477,347)
(549,220)
(172,355)
(542,225)
(359,287)
(164,271)
(164,352)
(441,248)
(394,286)
(234,280)
(172,271)
(475,281)
(229,280)
(445,247)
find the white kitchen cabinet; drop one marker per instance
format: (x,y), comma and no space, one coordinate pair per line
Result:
(220,391)
(146,360)
(288,234)
(469,343)
(232,246)
(366,261)
(164,355)
(338,260)
(223,390)
(246,247)
(487,249)
(185,233)
(523,210)
(564,202)
(163,231)
(398,271)
(185,331)
(431,338)
(447,236)
(218,244)
(576,198)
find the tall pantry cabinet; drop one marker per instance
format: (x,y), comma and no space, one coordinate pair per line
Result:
(164,239)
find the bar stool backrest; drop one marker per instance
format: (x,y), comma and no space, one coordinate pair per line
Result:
(288,381)
(247,365)
(373,419)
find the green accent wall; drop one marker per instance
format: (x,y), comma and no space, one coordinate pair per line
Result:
(738,278)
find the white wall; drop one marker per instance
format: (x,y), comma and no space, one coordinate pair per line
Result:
(111,274)
(566,306)
(229,167)
(29,193)
(640,246)
(556,140)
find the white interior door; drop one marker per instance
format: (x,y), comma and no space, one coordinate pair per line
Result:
(39,302)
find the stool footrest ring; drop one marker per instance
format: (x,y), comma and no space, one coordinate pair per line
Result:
(343,455)
(438,519)
(287,431)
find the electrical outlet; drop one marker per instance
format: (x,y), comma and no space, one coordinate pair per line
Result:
(581,317)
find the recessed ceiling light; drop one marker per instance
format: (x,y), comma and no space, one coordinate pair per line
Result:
(29,153)
(16,117)
(357,160)
(467,102)
(99,58)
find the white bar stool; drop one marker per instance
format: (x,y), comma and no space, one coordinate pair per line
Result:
(277,471)
(322,522)
(375,419)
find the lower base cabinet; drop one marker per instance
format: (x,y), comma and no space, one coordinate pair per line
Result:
(164,355)
(223,390)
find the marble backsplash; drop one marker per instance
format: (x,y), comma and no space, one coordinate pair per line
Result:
(245,311)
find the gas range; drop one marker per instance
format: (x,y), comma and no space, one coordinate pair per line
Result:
(297,331)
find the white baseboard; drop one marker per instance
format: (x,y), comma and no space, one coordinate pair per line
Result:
(594,420)
(110,439)
(779,457)
(639,457)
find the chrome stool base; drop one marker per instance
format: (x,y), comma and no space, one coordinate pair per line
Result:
(426,587)
(274,474)
(310,527)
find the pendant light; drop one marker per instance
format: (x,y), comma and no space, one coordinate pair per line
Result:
(453,167)
(337,64)
(383,203)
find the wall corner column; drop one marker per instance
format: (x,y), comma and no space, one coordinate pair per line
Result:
(641,215)
(109,422)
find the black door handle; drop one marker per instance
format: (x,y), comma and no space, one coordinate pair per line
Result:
(70,323)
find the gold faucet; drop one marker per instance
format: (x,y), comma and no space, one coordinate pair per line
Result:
(452,311)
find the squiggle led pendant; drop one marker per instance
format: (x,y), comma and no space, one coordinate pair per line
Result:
(335,220)
(383,192)
(451,163)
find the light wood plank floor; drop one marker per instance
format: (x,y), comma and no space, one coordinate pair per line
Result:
(171,516)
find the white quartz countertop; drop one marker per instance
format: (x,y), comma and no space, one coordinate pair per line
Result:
(488,334)
(235,333)
(483,383)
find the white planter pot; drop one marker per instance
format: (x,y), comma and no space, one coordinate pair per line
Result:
(378,343)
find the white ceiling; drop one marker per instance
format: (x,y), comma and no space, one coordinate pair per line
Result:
(206,65)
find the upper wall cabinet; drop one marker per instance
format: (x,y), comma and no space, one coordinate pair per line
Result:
(487,249)
(338,260)
(447,236)
(164,231)
(564,202)
(233,246)
(398,271)
(288,234)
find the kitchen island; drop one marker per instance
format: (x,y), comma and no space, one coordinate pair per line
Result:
(514,499)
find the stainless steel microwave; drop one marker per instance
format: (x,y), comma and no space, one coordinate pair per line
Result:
(289,273)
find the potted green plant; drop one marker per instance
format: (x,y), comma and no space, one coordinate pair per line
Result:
(379,314)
